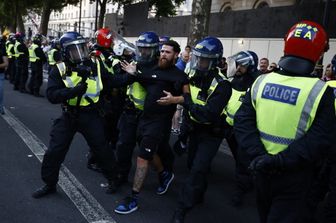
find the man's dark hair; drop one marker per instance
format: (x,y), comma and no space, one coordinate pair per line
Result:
(264,58)
(173,44)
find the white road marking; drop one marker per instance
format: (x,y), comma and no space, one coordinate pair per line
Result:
(92,211)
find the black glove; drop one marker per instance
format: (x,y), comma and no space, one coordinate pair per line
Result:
(79,90)
(180,147)
(267,164)
(83,71)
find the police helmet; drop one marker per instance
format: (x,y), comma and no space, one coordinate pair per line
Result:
(37,38)
(55,43)
(305,42)
(104,38)
(248,59)
(206,55)
(74,47)
(11,38)
(19,36)
(147,47)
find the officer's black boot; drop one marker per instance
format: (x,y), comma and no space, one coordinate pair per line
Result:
(43,191)
(179,215)
(112,187)
(121,179)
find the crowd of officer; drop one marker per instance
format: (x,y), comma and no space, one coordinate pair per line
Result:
(119,96)
(22,55)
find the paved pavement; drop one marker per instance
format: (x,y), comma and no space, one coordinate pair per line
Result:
(24,134)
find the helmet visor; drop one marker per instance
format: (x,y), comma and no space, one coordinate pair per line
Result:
(242,59)
(202,63)
(78,52)
(123,47)
(231,67)
(146,54)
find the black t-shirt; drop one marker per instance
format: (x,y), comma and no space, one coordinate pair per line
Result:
(2,54)
(155,81)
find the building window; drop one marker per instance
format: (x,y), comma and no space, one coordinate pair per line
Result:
(260,5)
(225,7)
(83,13)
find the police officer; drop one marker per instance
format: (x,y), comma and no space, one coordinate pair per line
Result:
(242,67)
(324,186)
(54,54)
(285,126)
(330,206)
(209,94)
(111,99)
(37,58)
(76,84)
(21,63)
(10,53)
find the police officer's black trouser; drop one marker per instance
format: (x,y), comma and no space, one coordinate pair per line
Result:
(165,151)
(11,70)
(203,147)
(111,113)
(21,74)
(282,198)
(330,204)
(90,125)
(244,180)
(127,126)
(16,80)
(36,78)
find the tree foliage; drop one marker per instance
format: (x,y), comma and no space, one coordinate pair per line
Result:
(165,8)
(11,13)
(47,7)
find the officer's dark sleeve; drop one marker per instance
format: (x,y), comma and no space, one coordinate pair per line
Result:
(39,53)
(57,56)
(319,138)
(12,50)
(56,90)
(245,129)
(214,106)
(22,48)
(117,69)
(116,80)
(3,51)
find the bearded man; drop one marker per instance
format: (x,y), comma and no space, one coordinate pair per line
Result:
(155,122)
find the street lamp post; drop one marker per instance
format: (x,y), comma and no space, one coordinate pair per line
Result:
(80,16)
(319,66)
(96,18)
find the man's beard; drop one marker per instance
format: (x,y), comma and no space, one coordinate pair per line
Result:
(165,63)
